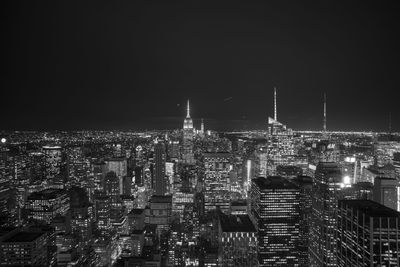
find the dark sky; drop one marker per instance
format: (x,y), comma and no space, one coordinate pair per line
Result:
(132,65)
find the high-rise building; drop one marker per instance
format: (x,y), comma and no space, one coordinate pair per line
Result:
(47,204)
(368,234)
(188,132)
(111,188)
(159,212)
(396,164)
(103,213)
(120,167)
(24,248)
(160,183)
(386,192)
(81,215)
(216,181)
(305,183)
(52,156)
(323,226)
(275,210)
(279,149)
(237,239)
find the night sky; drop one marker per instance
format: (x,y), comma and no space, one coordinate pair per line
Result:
(131,65)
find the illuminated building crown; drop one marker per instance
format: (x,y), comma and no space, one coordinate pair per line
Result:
(188,122)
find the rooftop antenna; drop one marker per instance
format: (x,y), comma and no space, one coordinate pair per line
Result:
(324,113)
(275,109)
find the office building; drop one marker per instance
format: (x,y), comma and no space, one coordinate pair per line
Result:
(328,180)
(188,134)
(24,248)
(305,184)
(47,204)
(237,239)
(52,156)
(119,166)
(216,182)
(386,192)
(275,210)
(368,234)
(160,181)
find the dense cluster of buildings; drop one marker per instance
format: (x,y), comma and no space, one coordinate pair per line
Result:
(192,197)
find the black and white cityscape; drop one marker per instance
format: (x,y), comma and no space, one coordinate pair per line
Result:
(149,134)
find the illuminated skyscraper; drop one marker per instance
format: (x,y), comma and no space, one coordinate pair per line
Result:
(81,215)
(328,180)
(279,149)
(275,210)
(47,204)
(160,182)
(305,184)
(368,234)
(386,192)
(188,132)
(103,213)
(120,167)
(216,181)
(53,160)
(24,248)
(237,239)
(111,188)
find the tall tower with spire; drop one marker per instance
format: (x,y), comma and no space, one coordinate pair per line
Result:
(324,126)
(188,122)
(275,108)
(187,140)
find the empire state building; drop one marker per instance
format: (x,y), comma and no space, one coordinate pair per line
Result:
(188,132)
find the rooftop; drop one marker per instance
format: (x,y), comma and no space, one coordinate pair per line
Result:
(23,236)
(136,211)
(236,223)
(161,199)
(217,155)
(370,208)
(274,182)
(49,193)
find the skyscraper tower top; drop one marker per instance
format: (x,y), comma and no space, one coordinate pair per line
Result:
(188,109)
(275,106)
(324,126)
(188,122)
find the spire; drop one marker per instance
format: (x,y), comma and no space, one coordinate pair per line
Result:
(275,110)
(390,122)
(324,112)
(188,110)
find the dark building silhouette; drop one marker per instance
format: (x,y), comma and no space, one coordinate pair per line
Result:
(160,186)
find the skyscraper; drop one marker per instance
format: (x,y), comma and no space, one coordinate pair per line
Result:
(111,188)
(52,160)
(368,234)
(47,204)
(216,181)
(160,183)
(275,211)
(188,132)
(120,167)
(305,184)
(386,192)
(237,239)
(324,214)
(24,248)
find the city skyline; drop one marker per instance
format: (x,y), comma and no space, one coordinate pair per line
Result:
(132,66)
